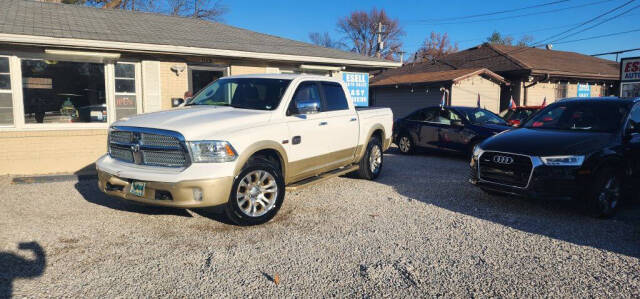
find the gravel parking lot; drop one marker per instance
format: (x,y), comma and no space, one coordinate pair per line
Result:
(420,230)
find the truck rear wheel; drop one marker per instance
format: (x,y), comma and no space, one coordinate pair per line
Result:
(371,162)
(256,195)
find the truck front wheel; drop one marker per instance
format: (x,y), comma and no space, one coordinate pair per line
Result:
(371,162)
(256,195)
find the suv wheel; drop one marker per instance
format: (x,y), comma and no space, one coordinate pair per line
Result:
(371,162)
(256,195)
(606,194)
(405,144)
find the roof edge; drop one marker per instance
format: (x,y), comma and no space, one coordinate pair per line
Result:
(182,50)
(482,71)
(505,54)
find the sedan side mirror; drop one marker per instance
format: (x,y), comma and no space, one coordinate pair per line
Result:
(177,102)
(307,107)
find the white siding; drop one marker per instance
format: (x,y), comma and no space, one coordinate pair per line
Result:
(465,93)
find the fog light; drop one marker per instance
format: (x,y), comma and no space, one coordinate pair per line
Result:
(197,194)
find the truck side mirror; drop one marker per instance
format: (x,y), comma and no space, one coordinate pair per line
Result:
(307,106)
(177,102)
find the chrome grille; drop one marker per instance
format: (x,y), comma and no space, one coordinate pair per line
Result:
(164,158)
(160,140)
(515,174)
(145,146)
(120,137)
(121,154)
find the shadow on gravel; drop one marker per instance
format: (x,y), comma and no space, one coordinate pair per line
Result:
(13,266)
(91,193)
(441,180)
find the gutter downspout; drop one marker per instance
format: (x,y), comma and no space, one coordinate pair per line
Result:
(544,78)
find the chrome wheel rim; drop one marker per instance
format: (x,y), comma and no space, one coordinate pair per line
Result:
(609,195)
(257,193)
(375,159)
(405,143)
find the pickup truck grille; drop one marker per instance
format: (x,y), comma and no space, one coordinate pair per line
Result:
(505,169)
(148,147)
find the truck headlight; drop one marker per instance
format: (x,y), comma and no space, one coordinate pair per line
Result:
(563,160)
(211,151)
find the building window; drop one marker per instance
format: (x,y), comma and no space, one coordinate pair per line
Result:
(126,100)
(6,98)
(63,92)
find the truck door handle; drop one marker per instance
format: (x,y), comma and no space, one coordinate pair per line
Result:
(353,119)
(323,123)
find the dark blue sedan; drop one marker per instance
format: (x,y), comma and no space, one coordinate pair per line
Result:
(456,129)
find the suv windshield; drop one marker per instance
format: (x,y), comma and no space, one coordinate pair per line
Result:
(245,93)
(582,116)
(481,116)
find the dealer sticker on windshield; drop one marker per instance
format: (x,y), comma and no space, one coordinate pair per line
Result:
(137,188)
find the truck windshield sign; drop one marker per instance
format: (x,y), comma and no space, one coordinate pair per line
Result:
(358,85)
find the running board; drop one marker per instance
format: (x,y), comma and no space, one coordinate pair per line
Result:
(322,177)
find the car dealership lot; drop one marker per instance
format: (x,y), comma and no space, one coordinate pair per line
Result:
(419,229)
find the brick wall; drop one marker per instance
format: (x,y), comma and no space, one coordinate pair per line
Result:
(47,152)
(465,93)
(172,85)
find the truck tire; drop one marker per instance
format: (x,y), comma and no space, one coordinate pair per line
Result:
(405,144)
(257,193)
(371,162)
(605,195)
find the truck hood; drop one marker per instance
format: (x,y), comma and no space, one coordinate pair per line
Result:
(199,122)
(543,142)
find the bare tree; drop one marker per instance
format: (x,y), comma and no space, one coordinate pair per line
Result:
(211,10)
(141,5)
(360,29)
(525,40)
(325,40)
(435,46)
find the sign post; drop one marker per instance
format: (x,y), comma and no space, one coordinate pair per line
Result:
(630,77)
(358,86)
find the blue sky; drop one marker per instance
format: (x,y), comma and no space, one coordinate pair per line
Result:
(295,19)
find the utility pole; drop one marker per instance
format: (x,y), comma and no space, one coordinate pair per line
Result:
(380,42)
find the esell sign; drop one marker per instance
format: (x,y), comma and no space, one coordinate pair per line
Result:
(630,69)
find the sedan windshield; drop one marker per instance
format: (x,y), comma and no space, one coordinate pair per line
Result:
(481,116)
(581,116)
(245,93)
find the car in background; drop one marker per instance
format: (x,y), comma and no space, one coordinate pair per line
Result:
(585,149)
(455,128)
(518,115)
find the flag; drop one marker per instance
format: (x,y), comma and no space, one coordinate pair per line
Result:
(478,100)
(444,100)
(544,102)
(512,104)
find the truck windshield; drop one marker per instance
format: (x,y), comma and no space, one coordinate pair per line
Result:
(581,116)
(245,93)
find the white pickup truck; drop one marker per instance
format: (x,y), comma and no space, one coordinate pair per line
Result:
(241,141)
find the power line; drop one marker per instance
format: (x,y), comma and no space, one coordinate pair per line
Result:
(617,52)
(598,24)
(584,23)
(597,36)
(515,16)
(495,12)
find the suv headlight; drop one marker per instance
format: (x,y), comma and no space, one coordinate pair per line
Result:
(563,160)
(477,151)
(211,151)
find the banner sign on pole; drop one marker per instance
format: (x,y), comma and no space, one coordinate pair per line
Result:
(358,86)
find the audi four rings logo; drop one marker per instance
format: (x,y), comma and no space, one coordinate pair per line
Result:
(135,148)
(502,159)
